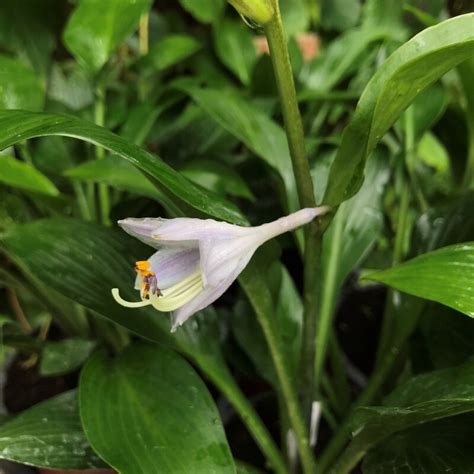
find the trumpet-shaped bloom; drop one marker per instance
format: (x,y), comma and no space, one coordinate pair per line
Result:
(197,260)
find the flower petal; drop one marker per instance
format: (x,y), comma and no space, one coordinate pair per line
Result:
(183,230)
(219,258)
(173,264)
(210,293)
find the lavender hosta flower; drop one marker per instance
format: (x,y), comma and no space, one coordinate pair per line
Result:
(197,260)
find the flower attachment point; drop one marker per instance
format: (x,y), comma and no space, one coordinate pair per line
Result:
(197,260)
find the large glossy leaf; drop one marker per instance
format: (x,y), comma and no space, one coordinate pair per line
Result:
(408,71)
(233,43)
(435,448)
(16,126)
(49,435)
(445,275)
(20,87)
(20,175)
(254,128)
(93,37)
(147,407)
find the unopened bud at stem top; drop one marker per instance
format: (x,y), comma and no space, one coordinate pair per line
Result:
(259,11)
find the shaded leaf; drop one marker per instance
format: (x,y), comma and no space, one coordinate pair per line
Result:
(49,435)
(169,51)
(295,16)
(20,87)
(259,132)
(217,177)
(115,172)
(427,397)
(21,175)
(92,38)
(64,356)
(233,43)
(339,14)
(16,126)
(435,448)
(206,11)
(408,71)
(128,408)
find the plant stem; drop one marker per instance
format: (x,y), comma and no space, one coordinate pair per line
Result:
(99,116)
(260,297)
(294,130)
(289,106)
(328,296)
(350,458)
(143,34)
(18,311)
(82,202)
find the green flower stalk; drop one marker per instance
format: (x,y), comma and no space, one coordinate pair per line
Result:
(259,11)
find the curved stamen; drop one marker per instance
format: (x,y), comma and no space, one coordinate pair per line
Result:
(128,304)
(179,294)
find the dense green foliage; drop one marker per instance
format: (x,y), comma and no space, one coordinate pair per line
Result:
(131,108)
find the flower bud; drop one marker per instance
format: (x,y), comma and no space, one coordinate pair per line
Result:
(259,11)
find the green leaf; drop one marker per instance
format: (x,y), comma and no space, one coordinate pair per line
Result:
(205,11)
(295,16)
(217,177)
(427,397)
(20,175)
(435,448)
(233,43)
(93,37)
(64,356)
(408,71)
(243,468)
(20,87)
(26,27)
(428,107)
(48,435)
(117,173)
(448,336)
(433,153)
(147,407)
(339,14)
(169,51)
(254,128)
(445,276)
(16,126)
(70,86)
